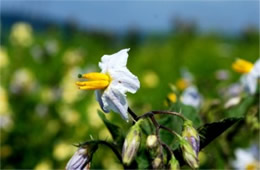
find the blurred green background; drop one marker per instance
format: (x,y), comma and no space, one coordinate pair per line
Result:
(43,113)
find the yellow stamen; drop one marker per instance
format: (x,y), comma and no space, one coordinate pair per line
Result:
(251,166)
(95,81)
(96,76)
(182,84)
(242,66)
(92,85)
(172,97)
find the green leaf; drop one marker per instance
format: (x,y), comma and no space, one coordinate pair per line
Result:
(242,108)
(142,160)
(113,129)
(174,123)
(192,114)
(210,131)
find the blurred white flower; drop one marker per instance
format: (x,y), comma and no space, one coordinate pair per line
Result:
(73,56)
(251,74)
(41,109)
(6,122)
(21,34)
(51,47)
(245,160)
(185,80)
(3,57)
(234,90)
(222,75)
(37,53)
(112,83)
(191,97)
(22,80)
(232,102)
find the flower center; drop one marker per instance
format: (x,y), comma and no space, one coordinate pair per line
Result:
(95,81)
(251,166)
(242,66)
(182,84)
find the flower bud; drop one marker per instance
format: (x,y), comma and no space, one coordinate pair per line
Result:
(191,135)
(189,154)
(157,163)
(131,143)
(174,164)
(151,141)
(79,160)
(82,157)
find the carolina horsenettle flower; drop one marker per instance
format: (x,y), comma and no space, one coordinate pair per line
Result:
(251,74)
(112,83)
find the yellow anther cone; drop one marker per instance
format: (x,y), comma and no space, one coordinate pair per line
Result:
(95,81)
(95,76)
(242,66)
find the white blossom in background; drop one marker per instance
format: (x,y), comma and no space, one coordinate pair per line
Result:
(251,74)
(51,46)
(23,80)
(191,97)
(186,79)
(22,34)
(245,159)
(112,83)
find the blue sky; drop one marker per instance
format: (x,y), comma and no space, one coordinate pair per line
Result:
(229,16)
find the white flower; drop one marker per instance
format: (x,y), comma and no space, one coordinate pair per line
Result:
(250,80)
(245,160)
(232,102)
(191,97)
(112,83)
(251,74)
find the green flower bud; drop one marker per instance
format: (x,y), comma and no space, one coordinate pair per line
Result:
(157,163)
(189,154)
(151,141)
(191,135)
(131,143)
(174,164)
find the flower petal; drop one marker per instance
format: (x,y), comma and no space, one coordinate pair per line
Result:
(113,61)
(98,94)
(78,161)
(191,97)
(114,100)
(249,81)
(256,69)
(124,80)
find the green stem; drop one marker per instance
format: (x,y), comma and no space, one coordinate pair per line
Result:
(170,113)
(132,113)
(110,145)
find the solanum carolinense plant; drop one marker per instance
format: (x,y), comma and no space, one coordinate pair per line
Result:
(160,139)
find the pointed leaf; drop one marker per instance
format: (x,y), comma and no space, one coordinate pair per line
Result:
(210,131)
(113,129)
